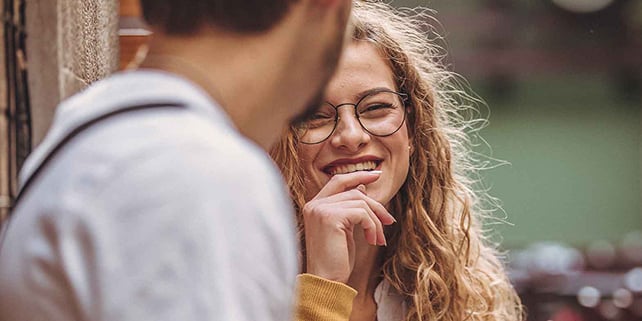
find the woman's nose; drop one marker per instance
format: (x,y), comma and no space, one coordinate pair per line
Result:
(349,134)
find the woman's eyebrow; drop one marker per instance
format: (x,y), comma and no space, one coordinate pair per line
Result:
(370,91)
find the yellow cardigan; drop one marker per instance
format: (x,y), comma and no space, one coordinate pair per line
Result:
(323,300)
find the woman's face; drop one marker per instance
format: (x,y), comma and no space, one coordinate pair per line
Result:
(350,147)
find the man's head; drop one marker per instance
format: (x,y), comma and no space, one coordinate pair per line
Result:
(269,60)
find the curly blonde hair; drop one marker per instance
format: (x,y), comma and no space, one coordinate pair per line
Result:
(437,256)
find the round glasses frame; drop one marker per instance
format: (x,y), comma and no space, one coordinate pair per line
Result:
(402,96)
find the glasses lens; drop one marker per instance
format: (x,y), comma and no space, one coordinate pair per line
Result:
(381,113)
(318,126)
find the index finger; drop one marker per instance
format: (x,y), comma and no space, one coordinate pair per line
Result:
(343,182)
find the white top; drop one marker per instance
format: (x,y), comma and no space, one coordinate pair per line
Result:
(390,304)
(161,214)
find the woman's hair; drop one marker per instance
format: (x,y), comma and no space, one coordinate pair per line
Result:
(437,256)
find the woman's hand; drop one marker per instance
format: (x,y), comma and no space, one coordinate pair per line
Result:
(330,218)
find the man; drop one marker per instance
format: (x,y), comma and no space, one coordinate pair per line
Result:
(152,197)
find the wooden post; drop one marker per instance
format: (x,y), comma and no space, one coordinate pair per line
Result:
(133,34)
(14,103)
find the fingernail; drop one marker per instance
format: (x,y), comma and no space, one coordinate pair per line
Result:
(375,172)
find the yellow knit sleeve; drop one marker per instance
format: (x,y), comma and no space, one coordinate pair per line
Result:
(323,300)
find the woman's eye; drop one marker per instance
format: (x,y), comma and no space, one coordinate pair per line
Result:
(319,120)
(379,106)
(320,116)
(375,107)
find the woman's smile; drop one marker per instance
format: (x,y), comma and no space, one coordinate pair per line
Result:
(346,166)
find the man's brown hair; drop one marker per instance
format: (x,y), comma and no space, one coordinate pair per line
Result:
(186,16)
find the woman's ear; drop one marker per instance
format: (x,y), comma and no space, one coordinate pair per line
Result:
(411,133)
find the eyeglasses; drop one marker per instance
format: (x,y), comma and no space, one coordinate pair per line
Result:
(380,113)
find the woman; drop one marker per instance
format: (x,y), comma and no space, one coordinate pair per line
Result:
(380,180)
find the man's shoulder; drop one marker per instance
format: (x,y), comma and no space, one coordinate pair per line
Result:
(232,157)
(186,144)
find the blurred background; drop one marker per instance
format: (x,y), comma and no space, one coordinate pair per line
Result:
(563,84)
(562,80)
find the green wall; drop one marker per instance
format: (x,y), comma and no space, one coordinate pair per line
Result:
(574,153)
(573,142)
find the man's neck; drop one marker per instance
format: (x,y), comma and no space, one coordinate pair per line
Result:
(226,67)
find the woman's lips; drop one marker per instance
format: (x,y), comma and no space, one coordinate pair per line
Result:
(345,167)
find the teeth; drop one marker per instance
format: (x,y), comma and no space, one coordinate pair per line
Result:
(349,168)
